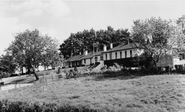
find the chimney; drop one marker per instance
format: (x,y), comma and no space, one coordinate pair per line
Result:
(128,41)
(104,48)
(71,53)
(111,45)
(86,52)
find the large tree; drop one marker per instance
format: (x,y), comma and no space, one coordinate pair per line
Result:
(7,63)
(179,34)
(153,36)
(50,55)
(29,47)
(92,40)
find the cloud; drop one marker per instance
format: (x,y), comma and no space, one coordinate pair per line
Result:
(8,30)
(54,8)
(17,16)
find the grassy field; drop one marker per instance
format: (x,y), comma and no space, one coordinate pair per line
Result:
(157,93)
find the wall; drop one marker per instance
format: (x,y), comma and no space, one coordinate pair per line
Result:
(177,61)
(166,61)
(134,52)
(87,62)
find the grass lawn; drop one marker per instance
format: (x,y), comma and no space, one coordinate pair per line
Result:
(157,93)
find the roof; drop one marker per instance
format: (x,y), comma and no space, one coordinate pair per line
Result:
(75,58)
(90,55)
(123,47)
(79,57)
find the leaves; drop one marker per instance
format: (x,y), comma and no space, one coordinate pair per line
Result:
(153,35)
(92,40)
(28,47)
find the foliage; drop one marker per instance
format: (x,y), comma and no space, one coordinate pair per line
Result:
(4,74)
(30,49)
(18,106)
(7,63)
(50,55)
(153,36)
(178,40)
(92,40)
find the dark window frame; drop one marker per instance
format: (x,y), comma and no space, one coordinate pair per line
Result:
(120,54)
(126,54)
(130,53)
(116,55)
(96,59)
(84,61)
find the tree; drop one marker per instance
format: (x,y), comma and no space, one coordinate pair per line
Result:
(50,56)
(153,36)
(181,23)
(92,40)
(179,34)
(27,49)
(7,63)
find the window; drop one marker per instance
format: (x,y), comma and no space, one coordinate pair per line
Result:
(125,54)
(110,55)
(130,53)
(120,55)
(116,55)
(84,60)
(101,57)
(96,59)
(105,56)
(181,56)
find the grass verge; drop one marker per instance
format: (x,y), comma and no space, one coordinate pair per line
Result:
(154,93)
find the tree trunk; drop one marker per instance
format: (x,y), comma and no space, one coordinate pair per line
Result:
(29,71)
(22,70)
(36,76)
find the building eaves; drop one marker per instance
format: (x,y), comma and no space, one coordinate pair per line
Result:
(123,47)
(91,55)
(75,58)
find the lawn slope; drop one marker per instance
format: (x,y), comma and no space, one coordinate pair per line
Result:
(165,93)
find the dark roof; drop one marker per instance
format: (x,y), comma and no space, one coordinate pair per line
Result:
(75,58)
(123,47)
(90,55)
(79,57)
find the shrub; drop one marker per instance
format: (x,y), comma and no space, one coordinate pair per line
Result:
(119,67)
(104,67)
(4,74)
(18,106)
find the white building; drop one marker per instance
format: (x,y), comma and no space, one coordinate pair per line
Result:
(121,54)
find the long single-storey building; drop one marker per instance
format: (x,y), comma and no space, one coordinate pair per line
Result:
(122,54)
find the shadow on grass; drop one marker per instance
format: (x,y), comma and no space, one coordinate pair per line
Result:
(31,81)
(114,75)
(17,81)
(23,80)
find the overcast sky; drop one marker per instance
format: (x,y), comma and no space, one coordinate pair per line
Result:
(59,18)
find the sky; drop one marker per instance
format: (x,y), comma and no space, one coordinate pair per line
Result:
(59,19)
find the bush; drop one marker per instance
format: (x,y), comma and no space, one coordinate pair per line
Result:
(104,67)
(4,74)
(18,106)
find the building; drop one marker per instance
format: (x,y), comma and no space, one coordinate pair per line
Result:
(175,60)
(122,54)
(74,61)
